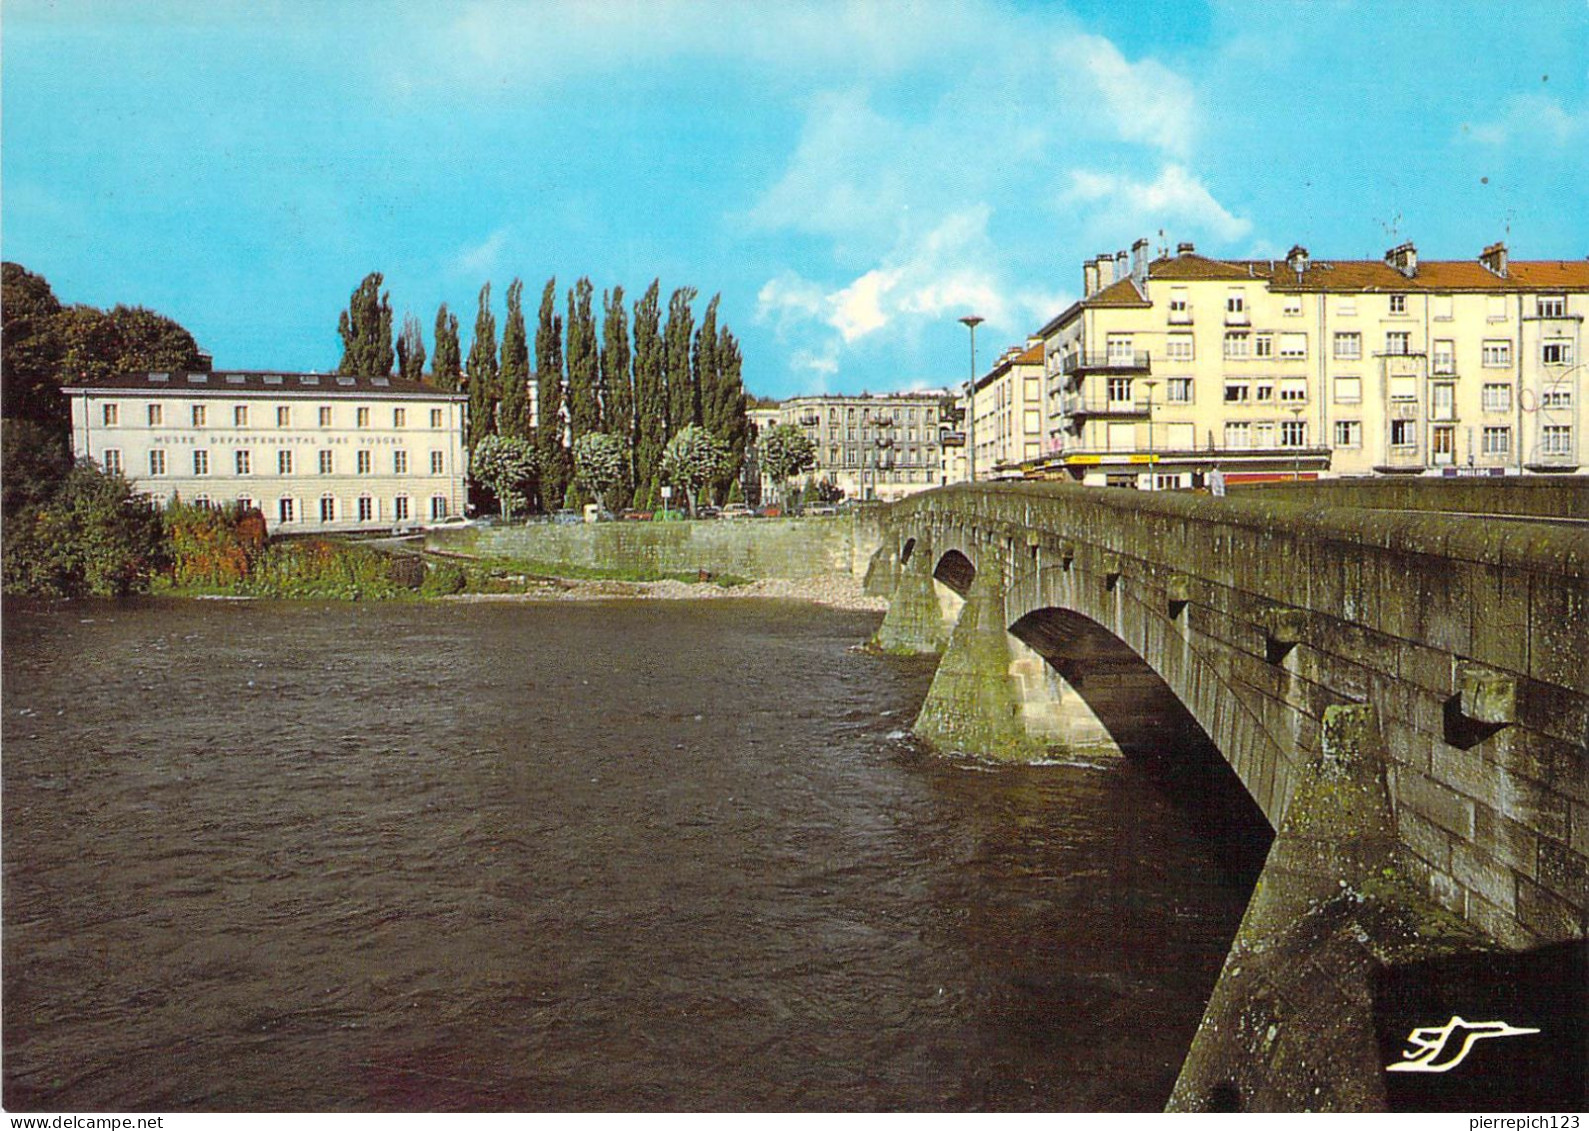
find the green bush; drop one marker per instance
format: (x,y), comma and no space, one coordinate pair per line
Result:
(322,569)
(443,579)
(93,536)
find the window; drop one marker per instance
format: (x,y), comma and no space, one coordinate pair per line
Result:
(1403,434)
(325,416)
(1403,388)
(1293,390)
(1348,390)
(1443,445)
(199,416)
(1238,434)
(1236,392)
(1497,398)
(1263,434)
(1178,390)
(240,416)
(111,415)
(1398,304)
(1121,437)
(157,461)
(400,462)
(1551,306)
(327,461)
(283,416)
(363,416)
(1445,356)
(1293,433)
(284,461)
(1497,353)
(1180,437)
(364,461)
(1180,310)
(438,506)
(1348,347)
(328,508)
(1556,439)
(1238,345)
(1557,351)
(1398,342)
(400,508)
(1263,345)
(112,461)
(202,501)
(1346,306)
(399,417)
(1178,347)
(1293,307)
(435,421)
(201,461)
(1119,390)
(1496,311)
(438,463)
(1348,434)
(284,510)
(1236,307)
(1442,308)
(366,508)
(1497,441)
(1264,391)
(1557,396)
(1442,401)
(243,461)
(157,414)
(244,503)
(1293,347)
(1118,347)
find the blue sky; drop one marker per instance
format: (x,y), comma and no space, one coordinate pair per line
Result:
(852,177)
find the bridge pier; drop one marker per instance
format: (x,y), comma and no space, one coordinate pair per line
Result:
(1290,1024)
(914,623)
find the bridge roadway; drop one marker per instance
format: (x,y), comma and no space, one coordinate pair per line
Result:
(1401,688)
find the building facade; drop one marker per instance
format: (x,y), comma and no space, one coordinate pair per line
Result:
(1008,413)
(314,452)
(874,447)
(1167,371)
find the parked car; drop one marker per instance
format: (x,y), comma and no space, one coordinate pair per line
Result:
(635,516)
(451,522)
(708,512)
(771,510)
(568,518)
(735,510)
(821,511)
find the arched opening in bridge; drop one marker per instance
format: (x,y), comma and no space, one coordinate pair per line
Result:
(906,550)
(955,570)
(1154,729)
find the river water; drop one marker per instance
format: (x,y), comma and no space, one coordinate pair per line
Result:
(620,856)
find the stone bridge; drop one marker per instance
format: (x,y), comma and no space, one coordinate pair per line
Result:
(1398,677)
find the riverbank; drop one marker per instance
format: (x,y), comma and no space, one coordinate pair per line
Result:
(839,591)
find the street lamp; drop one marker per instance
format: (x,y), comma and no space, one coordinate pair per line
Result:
(972,321)
(1152,479)
(1296,458)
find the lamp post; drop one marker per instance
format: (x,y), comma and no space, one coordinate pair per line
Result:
(1152,479)
(972,321)
(1296,458)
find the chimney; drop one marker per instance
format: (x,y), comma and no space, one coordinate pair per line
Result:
(1297,259)
(1089,279)
(1122,264)
(1404,258)
(1139,262)
(1494,259)
(1106,271)
(1185,248)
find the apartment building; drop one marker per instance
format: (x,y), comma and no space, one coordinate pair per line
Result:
(314,452)
(1166,371)
(1008,411)
(874,446)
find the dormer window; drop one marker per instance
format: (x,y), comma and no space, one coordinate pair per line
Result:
(1551,306)
(1398,304)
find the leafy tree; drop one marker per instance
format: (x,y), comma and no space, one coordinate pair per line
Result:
(125,339)
(725,413)
(446,368)
(556,466)
(599,465)
(650,393)
(411,350)
(211,546)
(584,396)
(786,451)
(513,418)
(366,331)
(829,491)
(617,389)
(34,462)
(482,376)
(704,367)
(30,351)
(507,465)
(693,459)
(683,408)
(93,537)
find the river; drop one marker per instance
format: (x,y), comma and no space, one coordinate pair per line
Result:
(608,856)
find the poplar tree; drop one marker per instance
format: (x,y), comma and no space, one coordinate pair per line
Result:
(650,394)
(584,403)
(682,406)
(727,417)
(556,465)
(513,418)
(704,367)
(617,392)
(366,330)
(446,366)
(482,376)
(411,350)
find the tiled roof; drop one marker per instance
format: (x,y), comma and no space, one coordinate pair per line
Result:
(1375,275)
(233,383)
(1196,268)
(1121,292)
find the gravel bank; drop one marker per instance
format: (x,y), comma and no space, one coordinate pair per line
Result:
(838,591)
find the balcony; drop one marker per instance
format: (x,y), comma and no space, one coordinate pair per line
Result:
(1100,404)
(1128,361)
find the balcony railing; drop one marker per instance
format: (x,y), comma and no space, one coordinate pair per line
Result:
(1101,404)
(1124,362)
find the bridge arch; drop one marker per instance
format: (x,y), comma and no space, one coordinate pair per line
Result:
(906,550)
(955,570)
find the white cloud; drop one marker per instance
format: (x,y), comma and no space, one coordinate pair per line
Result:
(481,258)
(1176,197)
(1533,118)
(1143,101)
